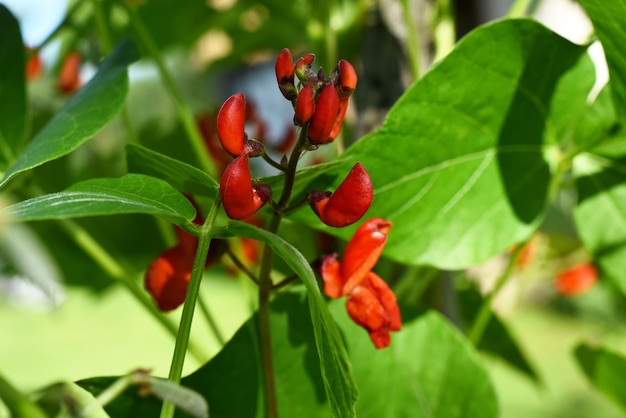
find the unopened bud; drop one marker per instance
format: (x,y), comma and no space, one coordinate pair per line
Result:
(240,198)
(324,116)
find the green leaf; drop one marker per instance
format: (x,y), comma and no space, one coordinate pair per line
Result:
(232,381)
(88,111)
(68,400)
(183,176)
(132,193)
(605,370)
(600,215)
(429,370)
(12,89)
(609,21)
(459,161)
(336,369)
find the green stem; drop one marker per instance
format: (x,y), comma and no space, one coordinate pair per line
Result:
(116,271)
(59,27)
(412,36)
(215,329)
(484,314)
(184,329)
(145,40)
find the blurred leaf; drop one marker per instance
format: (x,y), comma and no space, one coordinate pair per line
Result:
(132,193)
(429,370)
(232,381)
(609,21)
(88,111)
(459,161)
(496,339)
(184,177)
(68,400)
(601,211)
(18,404)
(605,370)
(336,368)
(598,122)
(184,398)
(12,89)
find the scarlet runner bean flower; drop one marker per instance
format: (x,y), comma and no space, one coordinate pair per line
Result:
(348,203)
(69,77)
(370,302)
(231,121)
(240,198)
(576,280)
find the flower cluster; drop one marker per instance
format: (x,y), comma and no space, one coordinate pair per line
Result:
(370,302)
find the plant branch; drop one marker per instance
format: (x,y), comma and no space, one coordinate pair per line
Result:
(233,257)
(413,48)
(184,329)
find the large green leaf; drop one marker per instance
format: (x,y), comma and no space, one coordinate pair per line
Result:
(458,166)
(336,369)
(609,21)
(429,370)
(12,89)
(605,370)
(132,193)
(601,211)
(83,115)
(183,176)
(232,381)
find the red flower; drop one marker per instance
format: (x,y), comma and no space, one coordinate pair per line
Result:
(241,198)
(370,302)
(231,122)
(324,117)
(576,280)
(69,77)
(349,202)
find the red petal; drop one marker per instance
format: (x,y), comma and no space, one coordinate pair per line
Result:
(239,198)
(305,105)
(347,78)
(576,280)
(333,283)
(350,201)
(387,299)
(69,78)
(366,310)
(323,119)
(231,121)
(343,106)
(167,278)
(363,251)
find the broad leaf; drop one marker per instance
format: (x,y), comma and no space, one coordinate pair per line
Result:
(605,370)
(232,381)
(183,176)
(429,370)
(88,111)
(12,89)
(132,193)
(458,166)
(336,368)
(609,21)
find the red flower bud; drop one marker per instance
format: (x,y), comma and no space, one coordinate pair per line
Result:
(305,104)
(285,74)
(576,280)
(350,201)
(231,124)
(240,197)
(168,276)
(324,116)
(69,79)
(303,67)
(347,79)
(33,65)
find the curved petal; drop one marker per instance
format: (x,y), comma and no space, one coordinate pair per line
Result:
(167,278)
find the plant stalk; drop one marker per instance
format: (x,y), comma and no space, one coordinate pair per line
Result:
(184,329)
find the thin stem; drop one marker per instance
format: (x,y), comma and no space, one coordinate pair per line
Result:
(271,162)
(241,266)
(116,271)
(484,315)
(184,329)
(285,282)
(185,115)
(412,38)
(107,395)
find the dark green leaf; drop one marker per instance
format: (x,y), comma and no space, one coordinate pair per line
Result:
(183,176)
(12,89)
(88,111)
(609,21)
(458,166)
(132,193)
(429,370)
(232,381)
(605,370)
(336,369)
